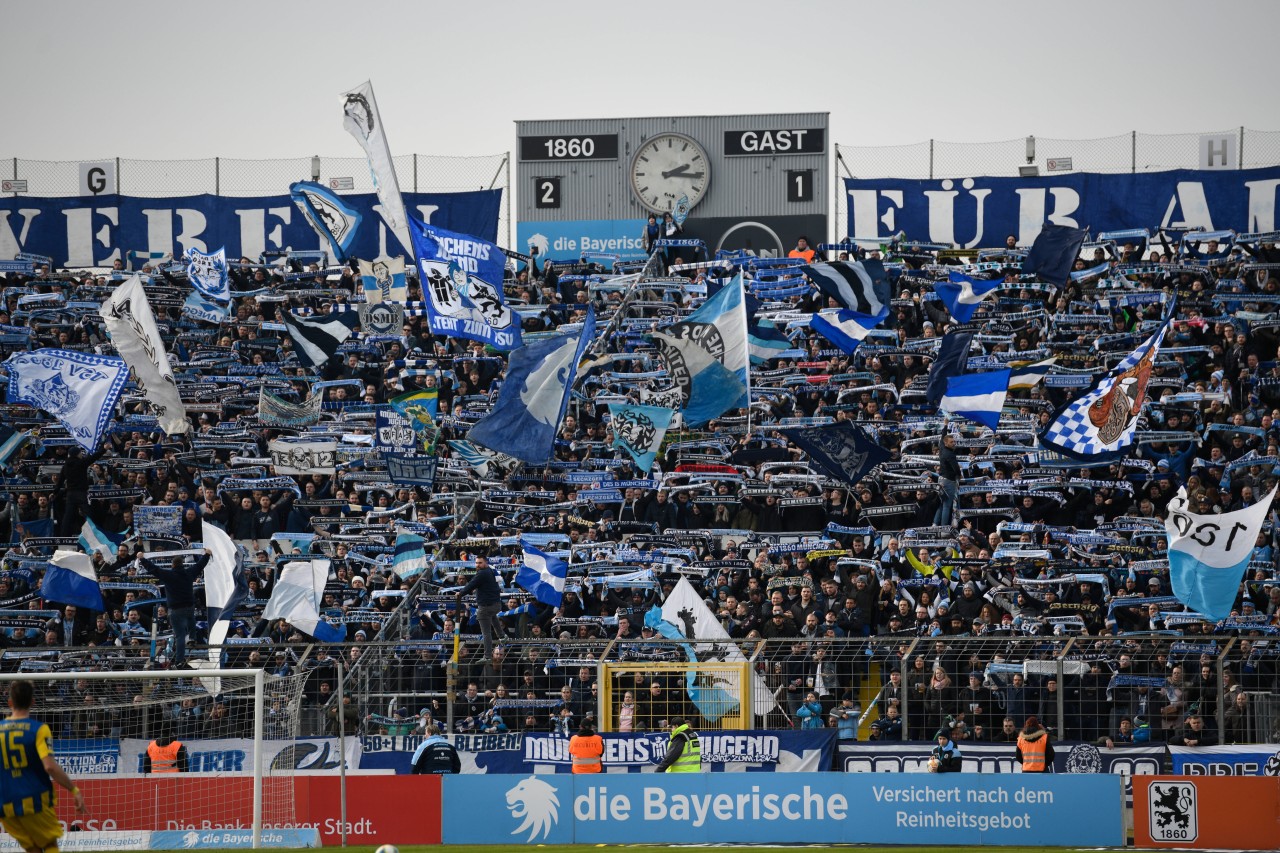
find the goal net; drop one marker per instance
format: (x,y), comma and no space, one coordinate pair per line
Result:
(646,696)
(175,751)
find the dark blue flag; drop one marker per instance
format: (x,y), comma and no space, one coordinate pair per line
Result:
(950,362)
(1054,252)
(840,450)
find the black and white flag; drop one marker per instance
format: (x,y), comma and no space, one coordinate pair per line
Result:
(318,338)
(850,283)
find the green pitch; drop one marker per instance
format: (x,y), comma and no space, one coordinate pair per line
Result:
(666,848)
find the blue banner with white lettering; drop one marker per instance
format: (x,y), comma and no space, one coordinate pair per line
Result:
(1246,759)
(964,809)
(94,231)
(982,211)
(786,751)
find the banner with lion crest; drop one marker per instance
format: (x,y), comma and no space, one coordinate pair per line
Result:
(77,388)
(639,430)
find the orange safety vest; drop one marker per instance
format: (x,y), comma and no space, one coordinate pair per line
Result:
(808,254)
(1033,752)
(586,751)
(164,759)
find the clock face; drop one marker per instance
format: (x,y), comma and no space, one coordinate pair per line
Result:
(668,167)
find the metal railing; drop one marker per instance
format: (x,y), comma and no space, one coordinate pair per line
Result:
(1162,680)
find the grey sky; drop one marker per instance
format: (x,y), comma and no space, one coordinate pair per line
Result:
(174,80)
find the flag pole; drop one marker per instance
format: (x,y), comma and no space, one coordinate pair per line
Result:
(746,331)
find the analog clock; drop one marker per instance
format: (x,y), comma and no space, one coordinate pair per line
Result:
(667,167)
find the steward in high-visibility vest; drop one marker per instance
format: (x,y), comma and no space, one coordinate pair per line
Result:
(165,755)
(1034,750)
(684,755)
(586,748)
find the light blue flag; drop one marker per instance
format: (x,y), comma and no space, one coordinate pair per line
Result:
(534,395)
(639,430)
(542,575)
(410,555)
(328,214)
(845,327)
(11,441)
(93,538)
(708,356)
(977,396)
(79,389)
(1209,554)
(766,341)
(208,273)
(962,295)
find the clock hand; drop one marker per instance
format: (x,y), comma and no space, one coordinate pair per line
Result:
(678,170)
(691,175)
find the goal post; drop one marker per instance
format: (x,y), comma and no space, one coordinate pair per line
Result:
(235,771)
(713,696)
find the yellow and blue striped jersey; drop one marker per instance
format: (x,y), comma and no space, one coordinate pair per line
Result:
(25,786)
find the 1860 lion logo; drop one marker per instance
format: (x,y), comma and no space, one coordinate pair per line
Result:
(536,802)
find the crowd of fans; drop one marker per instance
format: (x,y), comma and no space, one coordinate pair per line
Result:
(954,590)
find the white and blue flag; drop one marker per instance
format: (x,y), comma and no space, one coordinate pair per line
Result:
(977,396)
(846,327)
(383,281)
(70,579)
(78,388)
(543,575)
(639,430)
(534,395)
(362,120)
(297,597)
(331,217)
(93,538)
(708,355)
(197,307)
(208,273)
(461,280)
(1209,554)
(1100,425)
(225,584)
(962,295)
(410,557)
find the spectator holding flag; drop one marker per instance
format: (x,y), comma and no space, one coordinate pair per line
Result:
(180,597)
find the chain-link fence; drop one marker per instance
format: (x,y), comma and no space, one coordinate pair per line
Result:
(228,177)
(1129,152)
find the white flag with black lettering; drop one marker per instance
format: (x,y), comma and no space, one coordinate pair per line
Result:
(131,325)
(364,123)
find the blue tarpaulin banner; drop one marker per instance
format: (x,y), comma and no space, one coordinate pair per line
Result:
(94,231)
(982,211)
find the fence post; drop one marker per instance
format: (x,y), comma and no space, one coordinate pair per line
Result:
(1133,151)
(511,208)
(415,172)
(1241,151)
(931,159)
(217,176)
(118,176)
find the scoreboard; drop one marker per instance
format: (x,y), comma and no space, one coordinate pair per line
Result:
(751,181)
